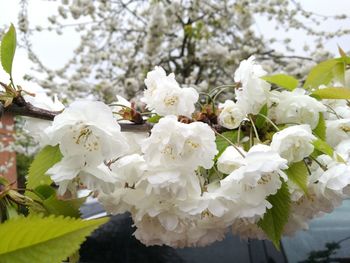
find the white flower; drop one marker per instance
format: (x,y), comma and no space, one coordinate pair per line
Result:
(171,184)
(87,128)
(249,185)
(129,169)
(71,171)
(295,223)
(243,193)
(343,148)
(166,229)
(295,107)
(343,112)
(294,143)
(254,91)
(335,178)
(230,160)
(178,145)
(166,97)
(231,115)
(327,187)
(260,159)
(134,141)
(248,69)
(205,231)
(337,131)
(247,230)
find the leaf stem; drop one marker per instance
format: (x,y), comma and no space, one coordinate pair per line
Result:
(231,143)
(254,128)
(270,121)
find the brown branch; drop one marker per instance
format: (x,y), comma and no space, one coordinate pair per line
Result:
(24,108)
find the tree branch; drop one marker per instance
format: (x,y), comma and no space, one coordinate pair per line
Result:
(23,108)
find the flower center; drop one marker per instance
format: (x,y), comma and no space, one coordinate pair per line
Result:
(84,136)
(192,144)
(168,150)
(171,101)
(345,128)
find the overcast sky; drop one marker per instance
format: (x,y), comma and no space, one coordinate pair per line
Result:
(54,50)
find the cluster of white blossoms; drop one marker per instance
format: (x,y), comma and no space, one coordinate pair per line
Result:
(191,179)
(165,96)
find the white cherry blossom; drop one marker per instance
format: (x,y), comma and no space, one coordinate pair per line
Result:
(230,160)
(337,131)
(294,143)
(178,145)
(295,107)
(165,96)
(231,115)
(254,91)
(87,128)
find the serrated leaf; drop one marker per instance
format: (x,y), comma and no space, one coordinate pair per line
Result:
(332,93)
(320,129)
(298,174)
(282,80)
(43,161)
(64,207)
(260,121)
(8,49)
(222,144)
(323,147)
(55,206)
(324,72)
(44,191)
(43,239)
(276,217)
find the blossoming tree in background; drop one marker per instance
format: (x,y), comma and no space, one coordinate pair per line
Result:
(261,164)
(202,42)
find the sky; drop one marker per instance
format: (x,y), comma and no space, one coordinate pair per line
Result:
(55,50)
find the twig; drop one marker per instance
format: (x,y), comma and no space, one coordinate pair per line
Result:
(23,108)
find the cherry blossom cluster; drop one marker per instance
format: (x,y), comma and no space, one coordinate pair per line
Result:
(192,179)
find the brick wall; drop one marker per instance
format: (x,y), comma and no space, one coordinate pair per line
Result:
(7,158)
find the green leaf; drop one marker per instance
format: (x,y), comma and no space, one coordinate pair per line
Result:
(298,174)
(339,71)
(154,119)
(276,217)
(222,144)
(324,72)
(260,121)
(8,49)
(55,206)
(44,191)
(43,239)
(346,60)
(64,207)
(323,147)
(332,93)
(43,161)
(282,80)
(320,129)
